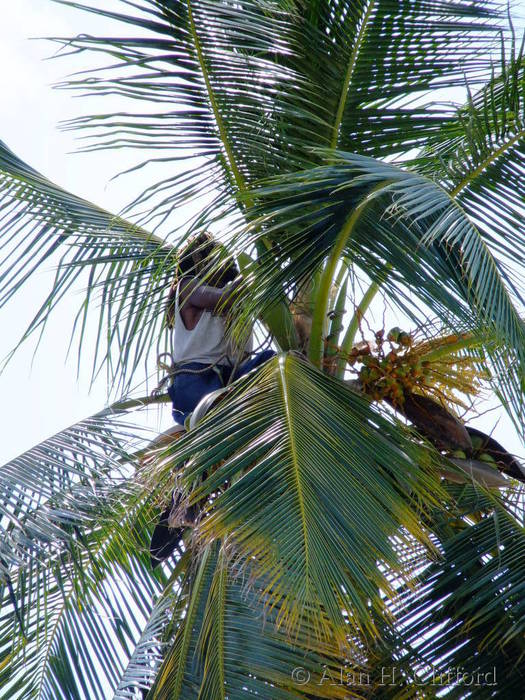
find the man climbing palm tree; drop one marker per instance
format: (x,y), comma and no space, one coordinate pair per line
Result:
(204,359)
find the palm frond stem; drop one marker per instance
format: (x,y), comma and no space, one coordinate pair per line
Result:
(349,73)
(353,326)
(239,179)
(315,349)
(127,404)
(492,158)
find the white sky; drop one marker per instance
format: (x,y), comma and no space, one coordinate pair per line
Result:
(40,401)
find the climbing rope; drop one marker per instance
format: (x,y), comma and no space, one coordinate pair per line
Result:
(173,368)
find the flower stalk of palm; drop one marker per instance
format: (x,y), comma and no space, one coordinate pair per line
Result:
(432,367)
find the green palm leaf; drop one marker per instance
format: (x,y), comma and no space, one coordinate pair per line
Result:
(123,266)
(75,584)
(367,59)
(150,649)
(250,87)
(467,611)
(78,457)
(478,159)
(227,644)
(402,230)
(301,482)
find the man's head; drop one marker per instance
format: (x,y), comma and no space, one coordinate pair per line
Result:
(201,258)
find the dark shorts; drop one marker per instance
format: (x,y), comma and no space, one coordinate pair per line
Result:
(188,389)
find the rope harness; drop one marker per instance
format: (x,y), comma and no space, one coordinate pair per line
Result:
(172,368)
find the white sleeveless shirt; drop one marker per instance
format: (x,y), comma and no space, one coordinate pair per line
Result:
(206,343)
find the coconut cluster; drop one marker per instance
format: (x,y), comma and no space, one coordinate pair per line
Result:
(390,368)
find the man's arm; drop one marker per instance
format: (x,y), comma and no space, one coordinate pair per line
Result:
(201,296)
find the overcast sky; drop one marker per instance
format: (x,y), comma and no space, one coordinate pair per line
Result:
(39,401)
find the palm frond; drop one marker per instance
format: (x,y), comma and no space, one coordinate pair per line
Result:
(300,483)
(467,613)
(226,644)
(249,88)
(478,158)
(125,269)
(82,455)
(369,59)
(75,585)
(406,233)
(144,663)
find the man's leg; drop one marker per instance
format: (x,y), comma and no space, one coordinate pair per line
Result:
(188,389)
(254,361)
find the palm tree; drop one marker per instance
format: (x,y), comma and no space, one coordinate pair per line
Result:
(330,558)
